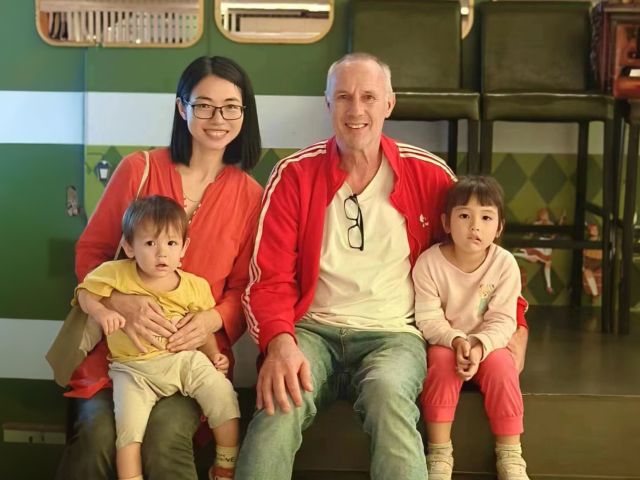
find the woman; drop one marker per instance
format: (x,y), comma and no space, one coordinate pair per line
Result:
(215,140)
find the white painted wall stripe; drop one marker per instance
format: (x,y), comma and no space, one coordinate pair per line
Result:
(24,342)
(129,118)
(143,119)
(41,117)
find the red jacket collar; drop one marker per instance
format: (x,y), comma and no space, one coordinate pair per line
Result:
(336,176)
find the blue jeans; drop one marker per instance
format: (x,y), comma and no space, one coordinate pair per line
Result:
(167,451)
(382,371)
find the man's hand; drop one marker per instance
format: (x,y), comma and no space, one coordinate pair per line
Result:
(285,370)
(194,329)
(517,346)
(145,319)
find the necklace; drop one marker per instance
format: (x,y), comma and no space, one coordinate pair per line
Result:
(191,199)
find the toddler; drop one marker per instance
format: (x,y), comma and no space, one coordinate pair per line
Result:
(155,239)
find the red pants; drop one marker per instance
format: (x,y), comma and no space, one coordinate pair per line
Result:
(497,378)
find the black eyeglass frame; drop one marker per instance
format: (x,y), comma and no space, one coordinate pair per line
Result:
(214,109)
(359,222)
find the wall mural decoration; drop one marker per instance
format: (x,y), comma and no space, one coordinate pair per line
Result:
(538,254)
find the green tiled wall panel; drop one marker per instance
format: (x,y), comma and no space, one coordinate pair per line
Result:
(37,235)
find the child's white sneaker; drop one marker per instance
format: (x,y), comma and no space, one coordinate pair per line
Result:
(440,461)
(510,464)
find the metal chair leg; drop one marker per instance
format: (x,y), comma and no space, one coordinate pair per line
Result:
(486,146)
(473,165)
(608,240)
(627,228)
(452,150)
(579,215)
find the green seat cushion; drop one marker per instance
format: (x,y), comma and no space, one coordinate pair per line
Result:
(549,107)
(427,105)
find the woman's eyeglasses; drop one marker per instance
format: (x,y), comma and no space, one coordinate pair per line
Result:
(355,233)
(204,111)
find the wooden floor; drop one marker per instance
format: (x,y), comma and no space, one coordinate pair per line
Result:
(581,391)
(567,354)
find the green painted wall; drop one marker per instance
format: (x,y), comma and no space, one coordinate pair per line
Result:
(38,236)
(26,62)
(157,70)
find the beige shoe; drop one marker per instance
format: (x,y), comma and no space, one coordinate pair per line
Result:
(440,466)
(511,466)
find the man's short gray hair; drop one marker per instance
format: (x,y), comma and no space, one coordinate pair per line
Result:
(355,57)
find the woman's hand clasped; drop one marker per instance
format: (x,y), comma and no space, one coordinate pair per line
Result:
(145,319)
(194,329)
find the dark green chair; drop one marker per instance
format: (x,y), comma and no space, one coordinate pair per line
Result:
(535,68)
(420,41)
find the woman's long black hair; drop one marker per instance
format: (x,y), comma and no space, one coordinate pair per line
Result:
(245,149)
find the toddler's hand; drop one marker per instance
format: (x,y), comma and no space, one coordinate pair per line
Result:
(110,321)
(221,362)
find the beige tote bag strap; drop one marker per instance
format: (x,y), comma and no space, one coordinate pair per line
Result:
(143,180)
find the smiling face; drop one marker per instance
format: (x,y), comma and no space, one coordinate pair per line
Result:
(157,253)
(359,101)
(473,227)
(214,133)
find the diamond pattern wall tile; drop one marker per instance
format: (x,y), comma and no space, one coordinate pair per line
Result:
(564,202)
(510,175)
(594,180)
(525,204)
(568,163)
(262,171)
(529,162)
(548,179)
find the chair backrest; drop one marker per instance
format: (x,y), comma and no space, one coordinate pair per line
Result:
(418,39)
(540,46)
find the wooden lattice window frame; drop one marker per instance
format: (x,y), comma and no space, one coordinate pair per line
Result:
(120,23)
(277,39)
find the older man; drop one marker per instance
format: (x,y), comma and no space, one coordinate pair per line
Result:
(330,298)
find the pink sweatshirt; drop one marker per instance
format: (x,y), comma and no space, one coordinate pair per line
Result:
(482,304)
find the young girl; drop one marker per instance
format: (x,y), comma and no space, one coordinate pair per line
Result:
(466,291)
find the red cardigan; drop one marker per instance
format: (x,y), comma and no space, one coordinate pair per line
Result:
(222,231)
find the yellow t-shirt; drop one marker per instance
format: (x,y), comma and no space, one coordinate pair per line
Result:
(193,294)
